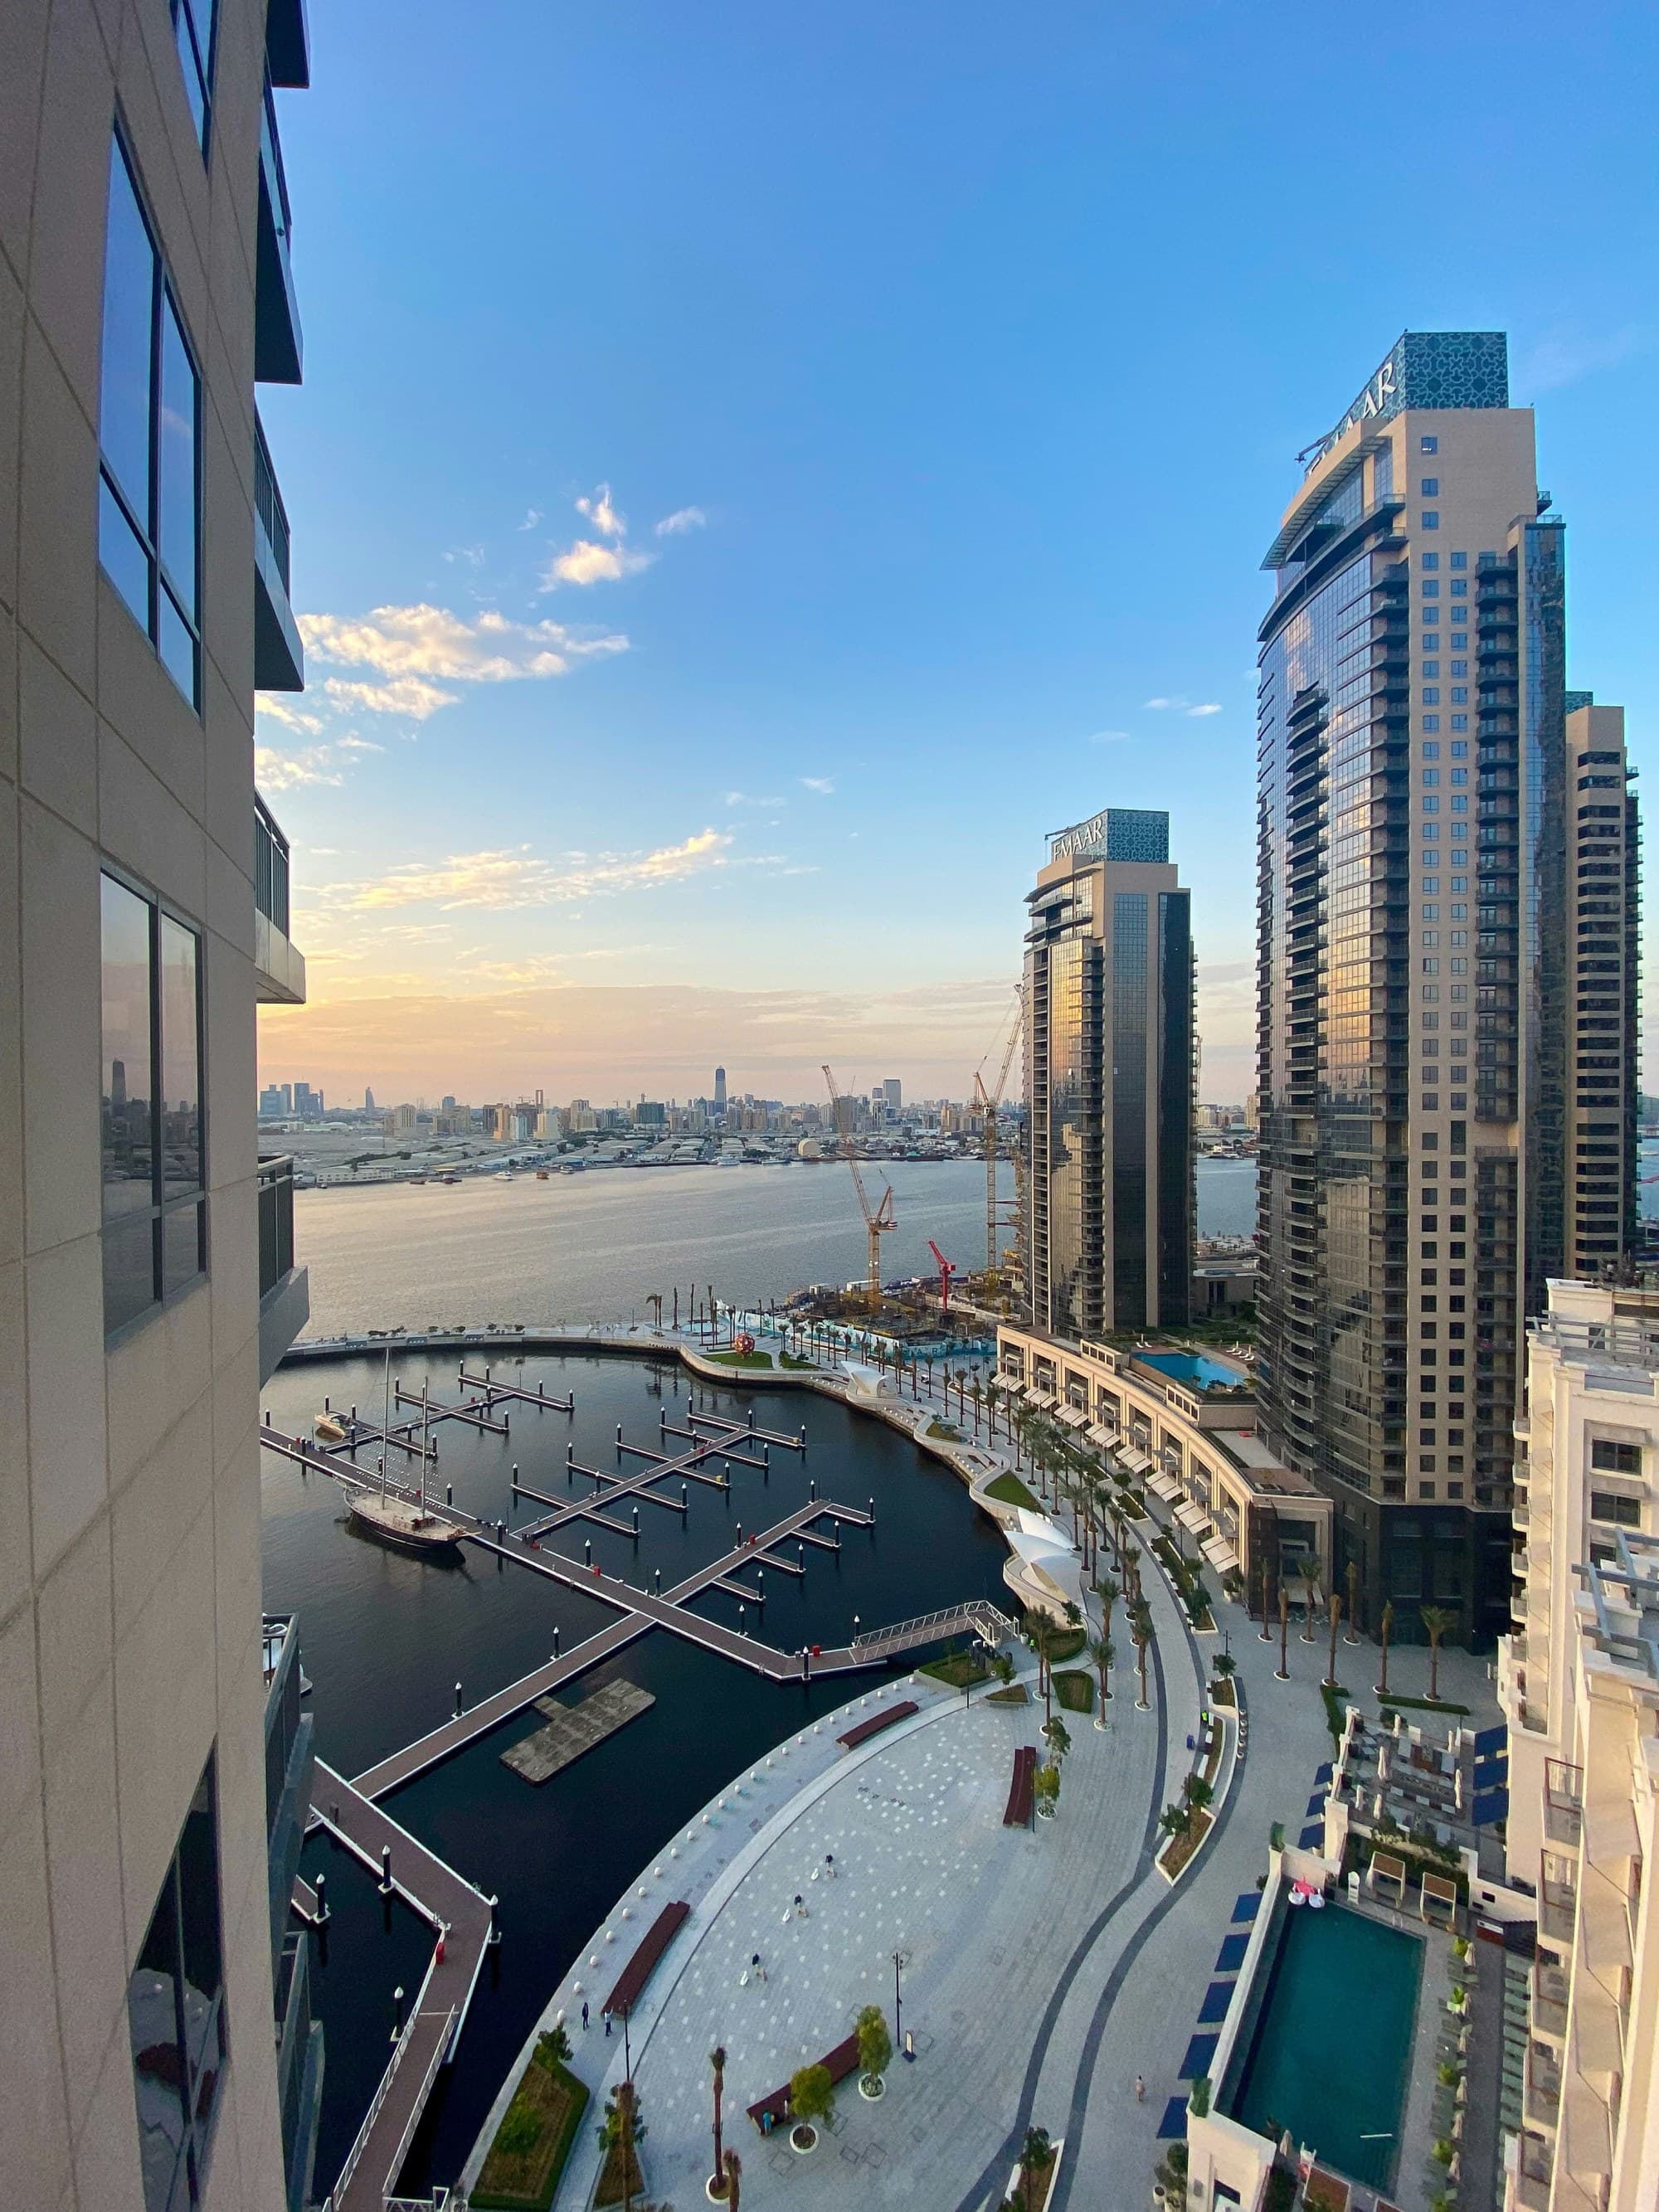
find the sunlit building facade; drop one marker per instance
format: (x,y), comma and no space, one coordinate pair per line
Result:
(1109,1081)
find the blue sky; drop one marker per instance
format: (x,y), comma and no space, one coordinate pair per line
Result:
(759,467)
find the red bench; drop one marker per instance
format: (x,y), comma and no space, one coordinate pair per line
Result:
(885,1719)
(1021,1791)
(638,1971)
(837,2064)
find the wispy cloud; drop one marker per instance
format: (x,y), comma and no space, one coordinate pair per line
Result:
(469,556)
(1184,707)
(821,784)
(323,764)
(274,707)
(1106,736)
(404,695)
(516,877)
(424,641)
(600,511)
(744,798)
(681,520)
(588,562)
(533,515)
(1565,354)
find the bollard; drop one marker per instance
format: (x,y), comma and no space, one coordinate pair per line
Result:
(739,1535)
(588,1545)
(515,1477)
(800,1554)
(495,1924)
(872,1512)
(386,1870)
(802,1436)
(398,2014)
(760,1577)
(541,1390)
(619,1438)
(449,1493)
(325,1405)
(742,1615)
(321,1887)
(354,1417)
(686,1500)
(555,1642)
(656,1585)
(812,1490)
(636,1524)
(458,1701)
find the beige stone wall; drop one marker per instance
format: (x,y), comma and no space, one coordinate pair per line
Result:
(129,1486)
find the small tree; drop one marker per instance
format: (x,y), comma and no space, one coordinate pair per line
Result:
(733,2180)
(1225,1667)
(875,2043)
(1059,1736)
(553,2049)
(1002,1666)
(1197,1795)
(1382,1688)
(1045,1783)
(1035,2154)
(1102,1652)
(1042,1637)
(812,2094)
(1173,1820)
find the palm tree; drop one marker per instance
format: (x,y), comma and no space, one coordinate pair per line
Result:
(1336,1615)
(1263,1578)
(1353,1635)
(1382,1688)
(1102,1652)
(1436,1620)
(1312,1591)
(717,2060)
(1284,1633)
(1197,1795)
(1225,1667)
(1108,1593)
(1140,1627)
(733,2179)
(1043,1635)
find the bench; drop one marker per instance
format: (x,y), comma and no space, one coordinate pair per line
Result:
(638,1969)
(1017,1813)
(837,2064)
(889,1717)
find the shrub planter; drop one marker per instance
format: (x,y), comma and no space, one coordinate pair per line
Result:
(872,2088)
(803,2138)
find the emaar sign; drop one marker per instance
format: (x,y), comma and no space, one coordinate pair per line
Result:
(1428,369)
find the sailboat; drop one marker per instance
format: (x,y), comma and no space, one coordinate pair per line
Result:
(403,1523)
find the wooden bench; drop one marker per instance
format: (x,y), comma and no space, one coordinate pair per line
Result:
(1017,1813)
(638,1969)
(888,1718)
(837,2064)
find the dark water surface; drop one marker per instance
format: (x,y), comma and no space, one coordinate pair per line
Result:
(385,1638)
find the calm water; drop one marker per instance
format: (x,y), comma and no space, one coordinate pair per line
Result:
(385,1638)
(596,1245)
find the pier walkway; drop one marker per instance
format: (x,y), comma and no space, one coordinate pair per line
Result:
(462,1918)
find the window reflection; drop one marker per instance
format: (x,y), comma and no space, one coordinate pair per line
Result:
(128,1124)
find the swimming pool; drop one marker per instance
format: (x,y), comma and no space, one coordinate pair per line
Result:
(1331,2054)
(1194,1368)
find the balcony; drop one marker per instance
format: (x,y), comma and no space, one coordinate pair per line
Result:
(290,1763)
(279,661)
(288,45)
(284,1289)
(279,969)
(278,348)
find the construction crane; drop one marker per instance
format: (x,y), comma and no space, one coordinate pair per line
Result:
(990,1103)
(947,1270)
(877,1219)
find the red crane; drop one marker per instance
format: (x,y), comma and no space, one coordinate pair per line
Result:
(947,1268)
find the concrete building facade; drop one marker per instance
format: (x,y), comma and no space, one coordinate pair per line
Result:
(1579,1684)
(1419,1050)
(154,2010)
(1109,1045)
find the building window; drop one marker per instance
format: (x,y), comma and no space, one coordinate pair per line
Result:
(1609,1457)
(1460,721)
(1460,560)
(1430,488)
(154,1210)
(149,441)
(1429,561)
(1621,1512)
(1428,445)
(1432,721)
(193,28)
(1431,520)
(175,1999)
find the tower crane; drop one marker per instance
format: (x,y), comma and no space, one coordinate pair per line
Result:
(948,1271)
(990,1103)
(877,1219)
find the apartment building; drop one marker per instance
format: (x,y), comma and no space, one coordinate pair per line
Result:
(1579,1684)
(1109,1081)
(154,1757)
(1439,953)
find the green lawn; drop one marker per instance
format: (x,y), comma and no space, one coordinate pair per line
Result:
(739,1358)
(958,1669)
(1064,1644)
(1009,1489)
(531,2144)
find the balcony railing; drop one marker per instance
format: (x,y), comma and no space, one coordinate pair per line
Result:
(270,866)
(276,1222)
(268,501)
(277,346)
(278,655)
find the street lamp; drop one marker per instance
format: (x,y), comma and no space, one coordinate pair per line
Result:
(900,1959)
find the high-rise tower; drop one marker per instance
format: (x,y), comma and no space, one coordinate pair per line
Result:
(1422,1077)
(1109,1045)
(719,1094)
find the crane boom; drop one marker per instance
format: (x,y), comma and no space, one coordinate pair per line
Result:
(990,1101)
(877,1219)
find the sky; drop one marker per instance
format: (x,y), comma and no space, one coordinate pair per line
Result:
(760,468)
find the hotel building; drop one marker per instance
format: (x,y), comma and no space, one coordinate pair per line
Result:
(154,1759)
(1579,1684)
(1109,1081)
(1442,1111)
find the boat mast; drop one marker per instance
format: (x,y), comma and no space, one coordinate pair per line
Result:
(423,1433)
(386,1421)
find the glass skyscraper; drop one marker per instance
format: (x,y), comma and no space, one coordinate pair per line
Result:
(1419,1067)
(1108,1042)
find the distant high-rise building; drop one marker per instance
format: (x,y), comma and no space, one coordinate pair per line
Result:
(273,1102)
(719,1094)
(1446,978)
(893,1092)
(651,1114)
(368,1101)
(449,1102)
(1108,1030)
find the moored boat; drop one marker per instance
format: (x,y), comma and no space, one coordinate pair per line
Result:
(403,1522)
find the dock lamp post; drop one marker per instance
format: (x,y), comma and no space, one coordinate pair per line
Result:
(901,1960)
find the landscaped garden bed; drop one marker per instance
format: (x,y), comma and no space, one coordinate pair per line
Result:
(958,1669)
(1180,1849)
(1064,1643)
(523,2166)
(1009,1489)
(738,1359)
(1014,1695)
(1074,1691)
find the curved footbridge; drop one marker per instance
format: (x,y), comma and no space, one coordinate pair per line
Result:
(463,1918)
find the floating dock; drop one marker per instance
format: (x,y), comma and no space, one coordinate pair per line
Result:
(571,1731)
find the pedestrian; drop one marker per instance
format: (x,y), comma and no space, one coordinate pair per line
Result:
(1140,2087)
(800,1908)
(829,1865)
(607,2023)
(584,2015)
